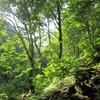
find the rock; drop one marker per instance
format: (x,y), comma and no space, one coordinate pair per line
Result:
(88,81)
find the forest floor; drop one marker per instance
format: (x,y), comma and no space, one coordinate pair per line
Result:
(86,87)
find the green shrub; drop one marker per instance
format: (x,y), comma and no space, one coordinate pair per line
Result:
(3,96)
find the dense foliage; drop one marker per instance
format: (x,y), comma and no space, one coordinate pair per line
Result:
(43,42)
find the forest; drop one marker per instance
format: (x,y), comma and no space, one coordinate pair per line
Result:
(49,50)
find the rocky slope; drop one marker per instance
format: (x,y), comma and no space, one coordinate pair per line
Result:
(86,87)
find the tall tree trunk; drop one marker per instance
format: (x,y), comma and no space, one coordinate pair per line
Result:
(31,72)
(31,59)
(59,29)
(49,37)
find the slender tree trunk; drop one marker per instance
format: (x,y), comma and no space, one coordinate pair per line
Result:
(59,29)
(31,59)
(31,72)
(49,37)
(57,18)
